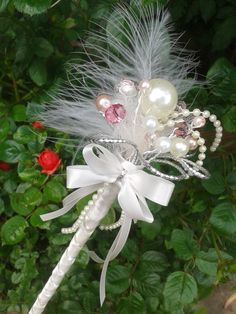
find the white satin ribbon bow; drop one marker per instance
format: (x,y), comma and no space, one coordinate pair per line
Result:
(135,185)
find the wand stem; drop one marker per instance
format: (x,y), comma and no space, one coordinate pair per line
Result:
(98,210)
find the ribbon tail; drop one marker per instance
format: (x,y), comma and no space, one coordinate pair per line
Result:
(70,201)
(115,249)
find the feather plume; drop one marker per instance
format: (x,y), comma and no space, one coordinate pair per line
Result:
(137,44)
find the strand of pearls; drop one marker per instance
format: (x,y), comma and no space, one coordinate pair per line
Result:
(77,224)
(217,124)
(113,226)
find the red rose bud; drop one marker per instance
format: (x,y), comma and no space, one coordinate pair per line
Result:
(37,125)
(49,161)
(4,166)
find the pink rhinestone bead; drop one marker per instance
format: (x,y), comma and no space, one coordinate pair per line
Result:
(181,129)
(115,113)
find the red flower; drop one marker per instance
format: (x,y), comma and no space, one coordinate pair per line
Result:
(49,161)
(37,125)
(4,166)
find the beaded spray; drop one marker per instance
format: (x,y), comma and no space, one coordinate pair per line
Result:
(126,99)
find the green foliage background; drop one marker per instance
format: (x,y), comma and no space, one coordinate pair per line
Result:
(166,266)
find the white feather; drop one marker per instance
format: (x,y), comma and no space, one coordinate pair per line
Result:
(138,44)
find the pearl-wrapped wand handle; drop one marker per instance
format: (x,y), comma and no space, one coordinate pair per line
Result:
(98,210)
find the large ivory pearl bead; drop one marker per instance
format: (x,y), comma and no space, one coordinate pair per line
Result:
(160,98)
(163,144)
(103,102)
(179,147)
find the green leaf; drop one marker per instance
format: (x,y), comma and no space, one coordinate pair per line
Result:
(13,230)
(89,302)
(35,219)
(223,218)
(224,34)
(24,203)
(38,72)
(180,289)
(10,151)
(32,7)
(28,173)
(207,263)
(134,303)
(24,134)
(215,184)
(60,239)
(117,279)
(208,9)
(54,191)
(33,197)
(3,107)
(183,244)
(83,258)
(4,128)
(199,206)
(152,304)
(2,206)
(231,180)
(222,75)
(3,5)
(43,48)
(69,23)
(150,231)
(148,284)
(33,109)
(19,113)
(152,261)
(229,120)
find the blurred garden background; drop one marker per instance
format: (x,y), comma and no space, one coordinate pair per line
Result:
(165,267)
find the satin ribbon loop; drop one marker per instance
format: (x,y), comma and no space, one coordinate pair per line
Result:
(135,184)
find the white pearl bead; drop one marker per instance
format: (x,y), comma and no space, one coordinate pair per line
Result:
(163,144)
(214,144)
(179,147)
(195,134)
(90,203)
(95,197)
(219,135)
(202,149)
(196,112)
(217,123)
(100,191)
(212,149)
(144,85)
(170,123)
(199,163)
(160,98)
(103,102)
(219,129)
(127,88)
(186,112)
(206,114)
(201,141)
(201,156)
(192,142)
(217,140)
(150,122)
(212,118)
